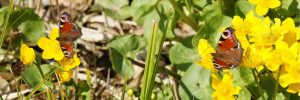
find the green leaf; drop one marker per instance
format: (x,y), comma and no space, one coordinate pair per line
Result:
(200,3)
(3,13)
(33,30)
(212,29)
(118,9)
(140,8)
(242,7)
(289,8)
(121,49)
(182,55)
(195,84)
(33,77)
(242,76)
(244,94)
(210,11)
(83,89)
(27,21)
(280,96)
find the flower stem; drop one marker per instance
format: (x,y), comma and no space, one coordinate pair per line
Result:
(277,82)
(257,83)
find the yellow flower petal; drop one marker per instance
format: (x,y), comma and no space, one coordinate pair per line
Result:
(27,55)
(54,33)
(42,42)
(215,81)
(294,88)
(274,3)
(261,10)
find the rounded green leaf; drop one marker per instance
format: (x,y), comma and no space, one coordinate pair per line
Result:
(121,49)
(195,84)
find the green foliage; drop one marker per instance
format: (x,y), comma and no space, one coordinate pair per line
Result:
(183,55)
(121,49)
(25,19)
(118,9)
(33,77)
(195,84)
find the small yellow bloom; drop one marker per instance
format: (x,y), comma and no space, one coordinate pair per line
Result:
(130,92)
(205,50)
(291,75)
(51,48)
(224,89)
(292,34)
(262,6)
(27,54)
(65,76)
(69,63)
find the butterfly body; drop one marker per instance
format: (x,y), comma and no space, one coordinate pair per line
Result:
(228,52)
(68,32)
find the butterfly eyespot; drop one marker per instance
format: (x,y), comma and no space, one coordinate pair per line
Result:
(63,18)
(226,34)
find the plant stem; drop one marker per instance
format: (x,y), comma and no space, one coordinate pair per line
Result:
(277,82)
(124,88)
(150,69)
(257,83)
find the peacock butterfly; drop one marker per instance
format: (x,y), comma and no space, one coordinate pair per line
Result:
(68,32)
(229,51)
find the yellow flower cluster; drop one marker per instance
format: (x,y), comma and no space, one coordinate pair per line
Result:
(271,45)
(52,50)
(224,89)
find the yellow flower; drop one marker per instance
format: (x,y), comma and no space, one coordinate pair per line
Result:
(65,76)
(282,54)
(264,35)
(243,27)
(224,89)
(27,54)
(205,50)
(292,34)
(51,48)
(262,6)
(69,63)
(291,75)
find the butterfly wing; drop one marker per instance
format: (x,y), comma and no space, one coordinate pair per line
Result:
(229,51)
(68,32)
